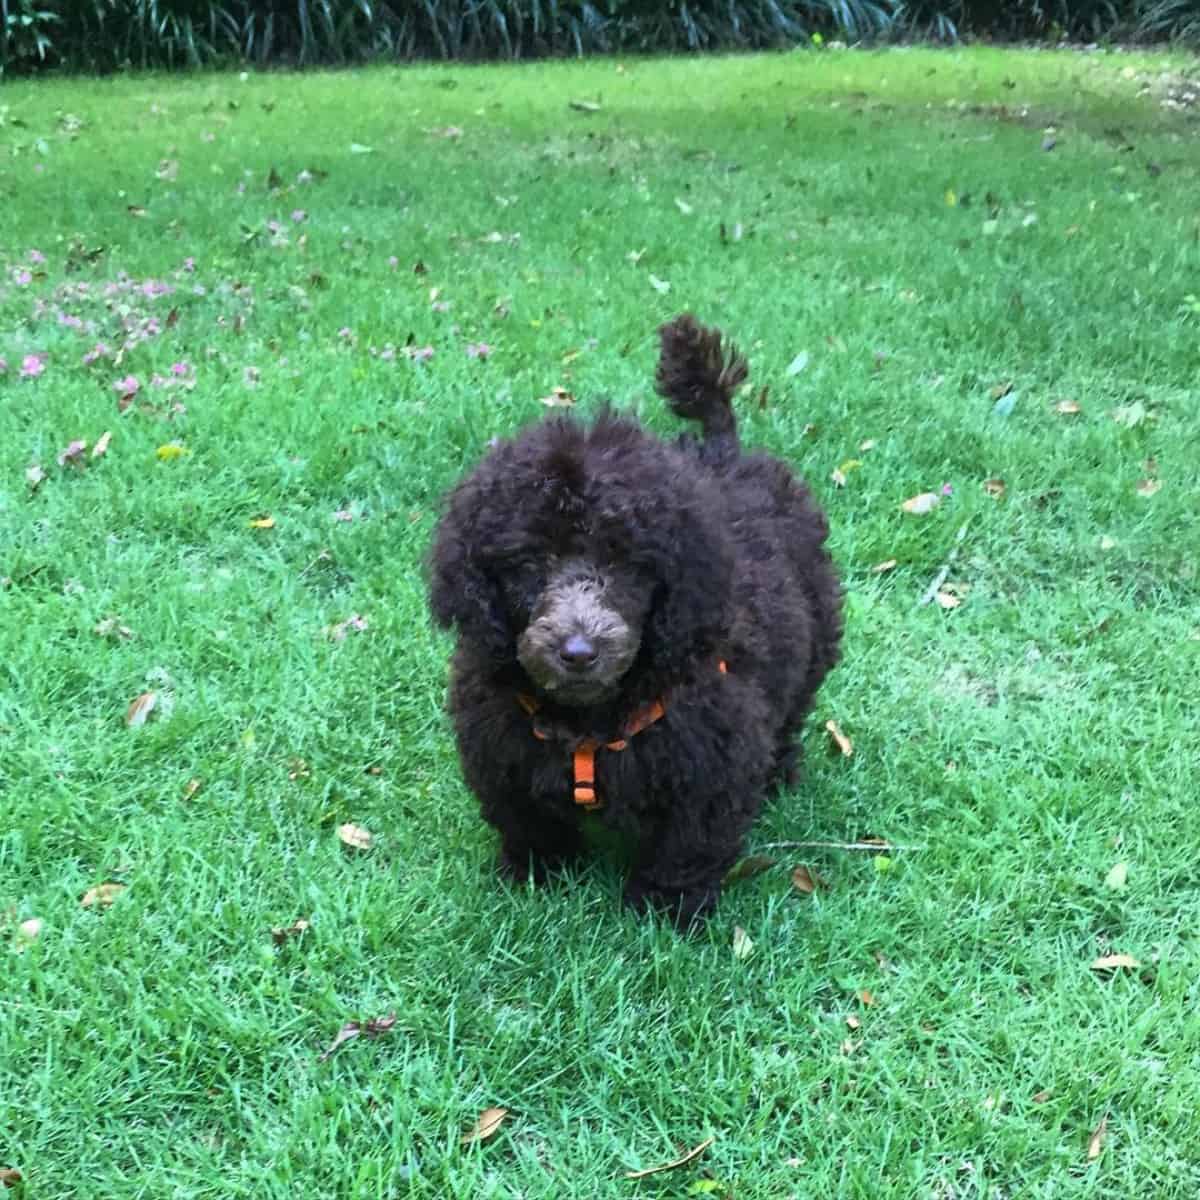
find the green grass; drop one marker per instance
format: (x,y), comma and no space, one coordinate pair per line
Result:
(1027,741)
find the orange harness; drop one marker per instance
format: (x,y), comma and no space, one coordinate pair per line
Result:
(583,757)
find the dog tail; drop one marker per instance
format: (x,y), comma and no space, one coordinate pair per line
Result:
(698,376)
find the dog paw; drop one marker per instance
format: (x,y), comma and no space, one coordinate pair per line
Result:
(687,909)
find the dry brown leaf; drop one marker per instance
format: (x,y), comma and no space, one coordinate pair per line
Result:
(866,996)
(102,895)
(140,709)
(852,1022)
(192,787)
(559,398)
(1116,962)
(100,449)
(10,1177)
(753,864)
(353,1029)
(1148,487)
(489,1121)
(995,487)
(1041,1097)
(840,741)
(919,505)
(1096,1141)
(1001,390)
(355,836)
(1068,408)
(887,565)
(682,1161)
(280,934)
(947,600)
(806,880)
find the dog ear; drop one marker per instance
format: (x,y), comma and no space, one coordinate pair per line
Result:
(462,595)
(692,610)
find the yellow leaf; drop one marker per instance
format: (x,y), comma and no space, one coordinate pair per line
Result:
(101,446)
(193,786)
(355,836)
(840,740)
(951,198)
(743,945)
(888,565)
(263,523)
(1114,962)
(1068,408)
(170,452)
(103,894)
(995,488)
(140,709)
(489,1121)
(921,504)
(559,398)
(1096,1141)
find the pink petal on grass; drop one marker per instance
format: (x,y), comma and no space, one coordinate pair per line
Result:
(478,349)
(32,365)
(128,386)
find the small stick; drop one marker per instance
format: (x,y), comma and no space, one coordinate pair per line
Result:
(879,847)
(695,1152)
(934,587)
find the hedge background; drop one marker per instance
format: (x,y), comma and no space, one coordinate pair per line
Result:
(106,35)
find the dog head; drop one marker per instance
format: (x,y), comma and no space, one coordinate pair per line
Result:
(587,556)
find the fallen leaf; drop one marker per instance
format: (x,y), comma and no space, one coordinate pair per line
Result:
(100,449)
(951,198)
(1115,962)
(808,881)
(995,488)
(111,627)
(355,836)
(262,523)
(661,286)
(192,787)
(887,565)
(1041,1097)
(867,444)
(35,477)
(1096,1141)
(28,932)
(1130,415)
(852,1022)
(798,363)
(839,480)
(947,600)
(10,1176)
(1148,487)
(921,504)
(584,106)
(102,895)
(743,944)
(753,864)
(559,398)
(281,934)
(682,1161)
(140,709)
(684,207)
(170,452)
(840,741)
(73,454)
(353,1029)
(1068,408)
(1115,879)
(135,210)
(867,998)
(485,1127)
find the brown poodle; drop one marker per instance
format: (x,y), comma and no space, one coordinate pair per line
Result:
(641,628)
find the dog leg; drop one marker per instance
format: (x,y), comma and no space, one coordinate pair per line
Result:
(532,845)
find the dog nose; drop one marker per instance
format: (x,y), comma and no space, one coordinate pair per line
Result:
(577,652)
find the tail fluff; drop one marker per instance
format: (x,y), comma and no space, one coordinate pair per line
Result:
(698,377)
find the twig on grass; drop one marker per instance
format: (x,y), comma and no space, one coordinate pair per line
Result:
(878,847)
(695,1152)
(932,590)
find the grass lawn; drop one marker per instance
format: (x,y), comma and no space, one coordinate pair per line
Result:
(316,298)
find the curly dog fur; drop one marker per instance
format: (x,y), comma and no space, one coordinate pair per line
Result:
(592,570)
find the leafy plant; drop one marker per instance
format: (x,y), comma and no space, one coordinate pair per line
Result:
(24,36)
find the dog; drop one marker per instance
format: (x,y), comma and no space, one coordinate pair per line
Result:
(641,628)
